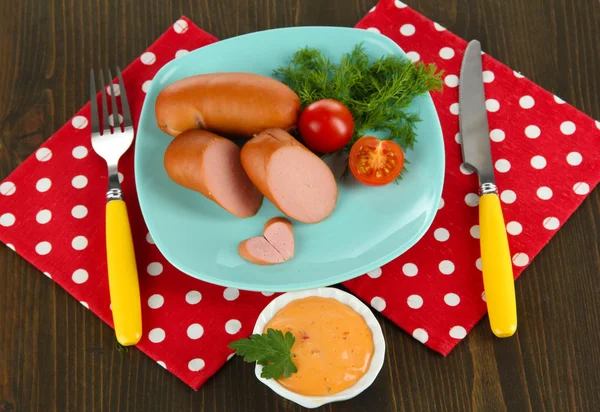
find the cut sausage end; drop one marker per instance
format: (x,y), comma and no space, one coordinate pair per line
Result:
(258,251)
(279,233)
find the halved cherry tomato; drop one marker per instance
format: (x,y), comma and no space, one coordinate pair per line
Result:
(326,126)
(376,162)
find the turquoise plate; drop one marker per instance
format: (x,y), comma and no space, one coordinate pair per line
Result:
(369,227)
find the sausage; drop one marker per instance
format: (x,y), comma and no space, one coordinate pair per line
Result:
(293,178)
(210,164)
(276,245)
(229,104)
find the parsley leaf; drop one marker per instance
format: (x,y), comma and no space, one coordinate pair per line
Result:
(272,350)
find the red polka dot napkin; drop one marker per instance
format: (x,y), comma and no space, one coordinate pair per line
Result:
(547,160)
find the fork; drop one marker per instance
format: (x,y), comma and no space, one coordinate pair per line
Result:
(111,143)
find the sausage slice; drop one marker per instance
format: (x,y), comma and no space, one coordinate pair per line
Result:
(210,164)
(293,178)
(258,251)
(276,245)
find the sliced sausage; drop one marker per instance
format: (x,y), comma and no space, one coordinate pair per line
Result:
(293,178)
(210,164)
(229,104)
(279,233)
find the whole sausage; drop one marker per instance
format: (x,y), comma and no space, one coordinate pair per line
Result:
(210,164)
(229,104)
(293,178)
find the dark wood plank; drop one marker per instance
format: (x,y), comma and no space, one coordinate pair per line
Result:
(57,356)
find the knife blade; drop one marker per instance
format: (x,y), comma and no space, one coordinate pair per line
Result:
(496,260)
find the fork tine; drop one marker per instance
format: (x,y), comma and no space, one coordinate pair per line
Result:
(113,101)
(105,124)
(124,102)
(93,104)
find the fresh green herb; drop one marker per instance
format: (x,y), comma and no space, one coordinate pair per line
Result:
(120,348)
(272,350)
(376,92)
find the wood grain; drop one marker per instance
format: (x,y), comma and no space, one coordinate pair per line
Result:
(57,356)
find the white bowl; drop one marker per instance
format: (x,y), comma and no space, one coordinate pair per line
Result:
(378,343)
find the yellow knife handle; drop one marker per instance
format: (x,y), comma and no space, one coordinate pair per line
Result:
(122,275)
(496,262)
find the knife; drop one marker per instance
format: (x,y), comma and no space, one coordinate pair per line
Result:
(498,280)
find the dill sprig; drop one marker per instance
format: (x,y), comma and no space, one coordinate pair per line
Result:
(376,92)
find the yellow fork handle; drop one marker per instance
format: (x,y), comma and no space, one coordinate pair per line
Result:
(496,262)
(122,275)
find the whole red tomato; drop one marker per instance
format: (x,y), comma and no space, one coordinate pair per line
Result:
(326,126)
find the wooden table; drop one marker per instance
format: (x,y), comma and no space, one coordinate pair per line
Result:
(57,356)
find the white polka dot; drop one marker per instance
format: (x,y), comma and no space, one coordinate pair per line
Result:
(483,297)
(526,102)
(492,105)
(47,274)
(414,301)
(508,196)
(375,273)
(84,304)
(43,216)
(479,264)
(79,243)
(196,365)
(451,80)
(121,177)
(80,276)
(378,303)
(10,246)
(520,259)
(399,4)
(446,267)
(43,185)
(233,326)
(180,26)
(157,335)
(457,138)
(532,131)
(568,127)
(43,154)
(497,135)
(597,124)
(441,234)
(79,122)
(438,27)
(149,238)
(574,158)
(267,293)
(115,88)
(111,120)
(544,193)
(502,165)
(559,100)
(551,223)
(458,332)
(581,188)
(7,188)
(488,76)
(441,204)
(146,86)
(454,108)
(472,199)
(80,152)
(474,231)
(195,331)
(7,219)
(231,294)
(148,58)
(181,53)
(410,269)
(421,335)
(155,268)
(514,228)
(465,170)
(413,56)
(451,299)
(446,53)
(374,30)
(407,30)
(79,212)
(231,355)
(538,162)
(161,363)
(518,75)
(193,297)
(43,248)
(156,301)
(79,182)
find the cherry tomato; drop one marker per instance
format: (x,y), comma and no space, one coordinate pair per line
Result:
(326,126)
(376,162)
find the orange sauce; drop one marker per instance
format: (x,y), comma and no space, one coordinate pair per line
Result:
(333,347)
